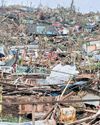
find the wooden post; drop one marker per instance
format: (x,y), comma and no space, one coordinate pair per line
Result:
(65,88)
(20,118)
(20,113)
(33,114)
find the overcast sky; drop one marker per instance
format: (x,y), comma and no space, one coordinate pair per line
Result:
(82,5)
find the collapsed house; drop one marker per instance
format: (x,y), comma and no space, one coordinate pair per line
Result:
(50,73)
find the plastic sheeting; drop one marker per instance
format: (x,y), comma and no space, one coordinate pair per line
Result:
(97,57)
(3,50)
(61,73)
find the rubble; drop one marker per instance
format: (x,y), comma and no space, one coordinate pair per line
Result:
(50,65)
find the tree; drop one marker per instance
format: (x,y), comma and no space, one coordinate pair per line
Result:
(72,7)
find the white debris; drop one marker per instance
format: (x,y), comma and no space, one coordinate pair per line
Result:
(61,73)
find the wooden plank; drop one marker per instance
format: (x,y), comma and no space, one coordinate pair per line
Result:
(33,114)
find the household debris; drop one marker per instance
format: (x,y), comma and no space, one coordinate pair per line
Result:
(49,66)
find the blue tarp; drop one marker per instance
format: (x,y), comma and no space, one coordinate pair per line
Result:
(97,57)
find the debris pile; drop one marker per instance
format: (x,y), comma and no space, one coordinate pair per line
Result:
(50,65)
